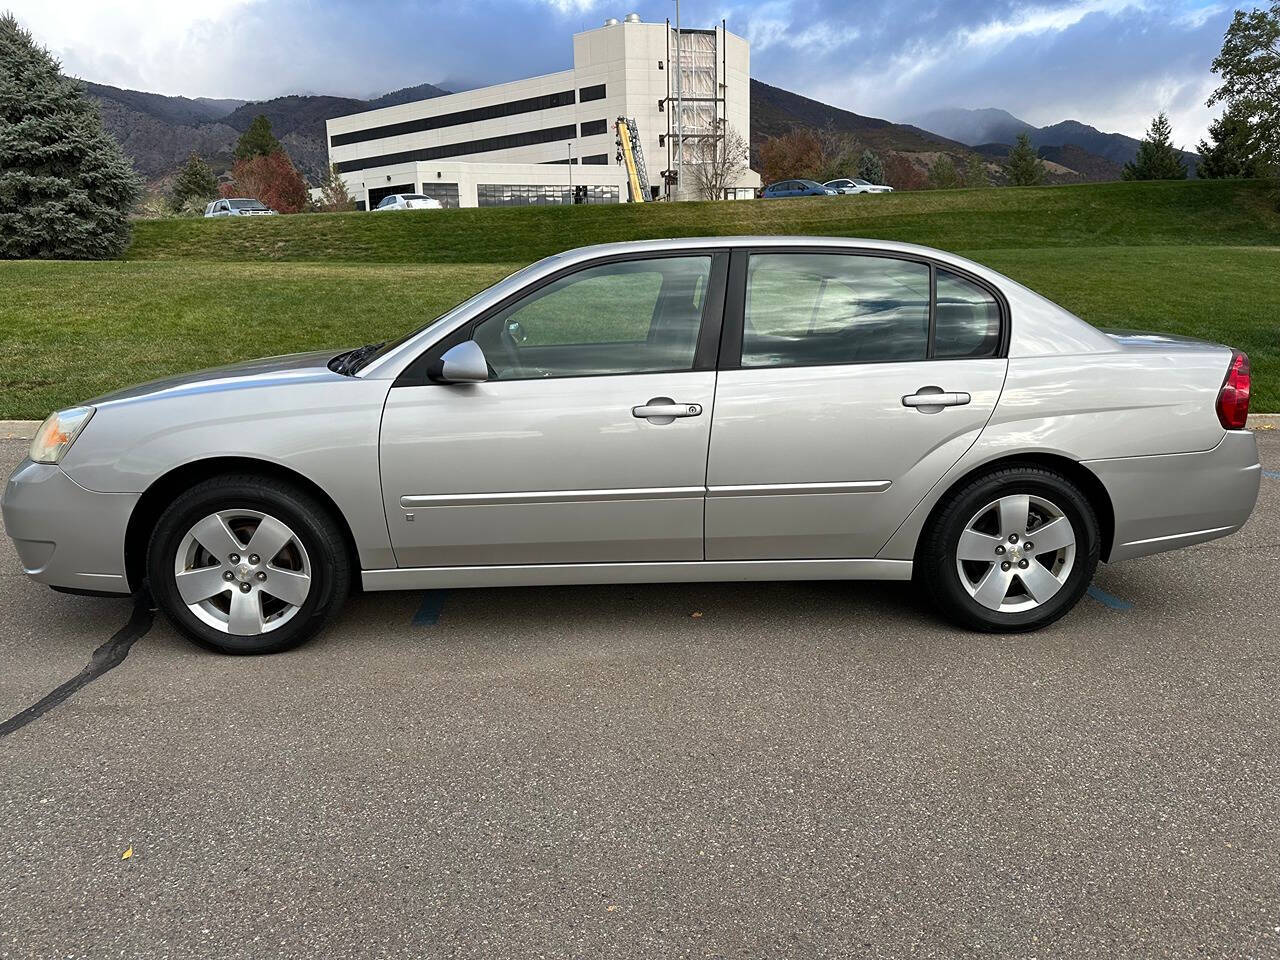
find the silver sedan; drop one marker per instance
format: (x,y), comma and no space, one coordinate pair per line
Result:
(710,409)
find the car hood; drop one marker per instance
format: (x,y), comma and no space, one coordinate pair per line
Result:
(267,371)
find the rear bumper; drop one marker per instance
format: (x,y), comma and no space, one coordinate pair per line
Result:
(66,536)
(1166,502)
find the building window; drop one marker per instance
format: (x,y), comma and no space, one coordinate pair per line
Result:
(510,109)
(511,141)
(598,159)
(587,94)
(531,195)
(593,127)
(446,193)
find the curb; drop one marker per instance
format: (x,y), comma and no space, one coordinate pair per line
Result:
(18,429)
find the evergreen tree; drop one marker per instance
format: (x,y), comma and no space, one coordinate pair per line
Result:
(975,172)
(65,186)
(1233,152)
(1026,169)
(195,184)
(258,140)
(1157,159)
(870,168)
(334,197)
(943,174)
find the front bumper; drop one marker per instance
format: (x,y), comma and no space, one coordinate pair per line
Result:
(66,536)
(1166,502)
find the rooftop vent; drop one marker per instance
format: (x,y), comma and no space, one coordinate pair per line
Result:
(634,18)
(611,22)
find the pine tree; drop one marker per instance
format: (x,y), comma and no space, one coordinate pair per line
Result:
(65,186)
(975,172)
(870,168)
(195,184)
(1157,159)
(1233,152)
(943,174)
(258,140)
(334,197)
(1026,169)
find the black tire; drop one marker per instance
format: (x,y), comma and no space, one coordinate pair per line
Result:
(315,528)
(936,565)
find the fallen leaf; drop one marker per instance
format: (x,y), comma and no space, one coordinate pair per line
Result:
(127,854)
(697,614)
(612,907)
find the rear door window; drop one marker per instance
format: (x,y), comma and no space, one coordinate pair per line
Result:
(810,309)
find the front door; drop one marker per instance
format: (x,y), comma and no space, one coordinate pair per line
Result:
(850,387)
(588,443)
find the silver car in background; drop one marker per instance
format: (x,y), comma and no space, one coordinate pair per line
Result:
(856,185)
(408,201)
(238,207)
(753,408)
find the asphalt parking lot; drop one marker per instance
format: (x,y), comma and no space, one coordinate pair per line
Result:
(759,770)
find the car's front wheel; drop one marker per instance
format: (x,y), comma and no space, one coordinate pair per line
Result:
(248,564)
(1012,550)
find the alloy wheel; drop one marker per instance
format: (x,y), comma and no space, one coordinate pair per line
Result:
(242,572)
(1016,553)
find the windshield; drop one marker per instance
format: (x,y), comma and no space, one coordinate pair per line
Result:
(247,205)
(513,279)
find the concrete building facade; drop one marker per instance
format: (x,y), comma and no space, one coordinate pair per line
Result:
(552,139)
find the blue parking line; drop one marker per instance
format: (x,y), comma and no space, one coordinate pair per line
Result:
(430,609)
(1106,599)
(1271,474)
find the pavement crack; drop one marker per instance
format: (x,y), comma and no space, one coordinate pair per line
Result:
(107,657)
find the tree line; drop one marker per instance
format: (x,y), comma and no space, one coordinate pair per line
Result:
(67,189)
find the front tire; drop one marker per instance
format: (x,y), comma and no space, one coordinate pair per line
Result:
(248,565)
(1011,551)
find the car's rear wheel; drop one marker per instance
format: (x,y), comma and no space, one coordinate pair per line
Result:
(248,565)
(1013,550)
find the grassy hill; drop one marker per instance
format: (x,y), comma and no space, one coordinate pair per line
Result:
(1200,212)
(1200,258)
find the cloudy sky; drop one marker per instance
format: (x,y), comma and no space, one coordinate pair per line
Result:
(1112,63)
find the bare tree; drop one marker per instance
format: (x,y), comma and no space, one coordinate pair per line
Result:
(721,163)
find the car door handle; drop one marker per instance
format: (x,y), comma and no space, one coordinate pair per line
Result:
(935,397)
(664,410)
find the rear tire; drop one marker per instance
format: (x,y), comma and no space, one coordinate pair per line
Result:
(979,560)
(244,564)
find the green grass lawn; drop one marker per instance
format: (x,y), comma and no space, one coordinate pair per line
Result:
(1134,214)
(70,331)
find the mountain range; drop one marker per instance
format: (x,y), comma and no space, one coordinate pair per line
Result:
(988,130)
(159,132)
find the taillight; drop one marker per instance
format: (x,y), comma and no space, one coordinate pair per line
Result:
(1233,398)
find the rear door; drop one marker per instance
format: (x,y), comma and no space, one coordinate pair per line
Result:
(850,382)
(588,443)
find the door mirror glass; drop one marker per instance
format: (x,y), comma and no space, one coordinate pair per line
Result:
(462,363)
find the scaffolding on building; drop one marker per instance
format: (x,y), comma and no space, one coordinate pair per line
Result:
(696,111)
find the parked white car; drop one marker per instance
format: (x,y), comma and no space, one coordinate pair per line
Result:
(408,201)
(239,207)
(845,185)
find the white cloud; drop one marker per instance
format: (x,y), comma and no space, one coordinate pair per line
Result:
(133,42)
(1037,21)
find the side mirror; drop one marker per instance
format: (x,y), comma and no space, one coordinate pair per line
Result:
(461,363)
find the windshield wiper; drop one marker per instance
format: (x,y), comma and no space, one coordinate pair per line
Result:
(351,361)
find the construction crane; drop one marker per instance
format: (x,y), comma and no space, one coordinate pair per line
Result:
(631,154)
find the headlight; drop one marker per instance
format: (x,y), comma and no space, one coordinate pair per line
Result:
(55,436)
